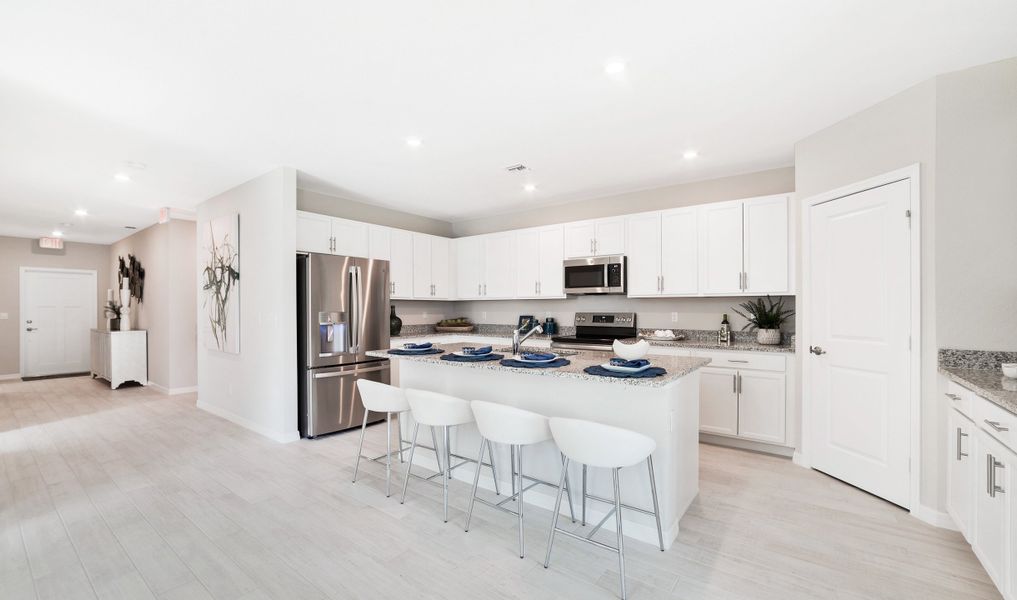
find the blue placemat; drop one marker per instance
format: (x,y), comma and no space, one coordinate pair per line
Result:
(399,352)
(601,371)
(561,362)
(474,358)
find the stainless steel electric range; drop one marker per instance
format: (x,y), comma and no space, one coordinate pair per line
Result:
(598,331)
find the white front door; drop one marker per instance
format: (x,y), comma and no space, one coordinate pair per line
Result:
(58,308)
(859,323)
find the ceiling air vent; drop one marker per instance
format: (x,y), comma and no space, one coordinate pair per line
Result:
(516,168)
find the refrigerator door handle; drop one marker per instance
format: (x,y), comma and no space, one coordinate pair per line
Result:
(356,307)
(350,372)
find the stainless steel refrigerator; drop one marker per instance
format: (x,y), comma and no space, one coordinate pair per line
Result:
(342,312)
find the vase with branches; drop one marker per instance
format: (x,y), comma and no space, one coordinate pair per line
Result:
(765,318)
(112,310)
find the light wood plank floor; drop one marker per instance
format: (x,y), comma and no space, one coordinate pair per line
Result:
(130,494)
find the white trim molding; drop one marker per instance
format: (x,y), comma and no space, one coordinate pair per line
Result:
(10,376)
(911,173)
(282,438)
(172,391)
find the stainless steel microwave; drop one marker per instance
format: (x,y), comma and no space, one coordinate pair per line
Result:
(595,275)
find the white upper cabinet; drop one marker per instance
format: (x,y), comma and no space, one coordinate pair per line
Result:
(663,253)
(469,267)
(539,256)
(314,232)
(595,238)
(766,245)
(500,265)
(331,235)
(441,276)
(720,248)
(401,266)
(379,242)
(644,251)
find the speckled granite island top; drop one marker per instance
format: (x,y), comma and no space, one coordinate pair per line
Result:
(676,366)
(987,383)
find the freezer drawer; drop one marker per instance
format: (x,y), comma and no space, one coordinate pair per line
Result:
(333,402)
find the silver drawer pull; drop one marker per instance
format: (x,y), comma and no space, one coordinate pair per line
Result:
(953,397)
(995,425)
(737,361)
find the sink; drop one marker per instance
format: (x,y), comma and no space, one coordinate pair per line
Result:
(559,352)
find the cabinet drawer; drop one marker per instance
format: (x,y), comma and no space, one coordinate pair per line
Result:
(995,421)
(744,360)
(959,397)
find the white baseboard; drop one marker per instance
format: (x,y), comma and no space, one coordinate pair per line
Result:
(10,376)
(730,442)
(282,438)
(172,391)
(936,518)
(799,459)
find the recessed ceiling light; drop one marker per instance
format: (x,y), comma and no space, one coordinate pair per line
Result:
(81,212)
(690,154)
(413,142)
(615,66)
(530,187)
(58,233)
(122,177)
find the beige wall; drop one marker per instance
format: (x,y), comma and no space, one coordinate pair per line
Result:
(976,212)
(166,252)
(335,206)
(25,252)
(762,183)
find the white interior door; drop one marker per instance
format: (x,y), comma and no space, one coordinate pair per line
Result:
(58,308)
(859,320)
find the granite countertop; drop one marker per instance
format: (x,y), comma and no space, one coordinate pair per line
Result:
(676,366)
(736,346)
(990,384)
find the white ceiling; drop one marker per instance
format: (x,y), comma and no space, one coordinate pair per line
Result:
(208,94)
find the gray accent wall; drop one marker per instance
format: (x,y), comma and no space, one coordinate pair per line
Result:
(335,206)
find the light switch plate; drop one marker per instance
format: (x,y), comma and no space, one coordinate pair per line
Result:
(3,316)
(674,317)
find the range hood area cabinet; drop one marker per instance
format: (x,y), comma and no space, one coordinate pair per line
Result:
(331,235)
(599,237)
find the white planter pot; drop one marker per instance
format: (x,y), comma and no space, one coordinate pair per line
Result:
(769,337)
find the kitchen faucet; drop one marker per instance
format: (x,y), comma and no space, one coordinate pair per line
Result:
(517,339)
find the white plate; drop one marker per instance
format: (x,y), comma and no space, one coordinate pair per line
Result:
(416,349)
(618,369)
(536,362)
(461,353)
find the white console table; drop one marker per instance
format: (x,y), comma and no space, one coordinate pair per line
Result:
(119,356)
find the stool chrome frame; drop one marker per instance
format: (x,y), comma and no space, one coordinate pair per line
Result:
(518,487)
(615,510)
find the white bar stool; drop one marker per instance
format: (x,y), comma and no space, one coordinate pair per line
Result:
(381,398)
(440,410)
(604,446)
(509,425)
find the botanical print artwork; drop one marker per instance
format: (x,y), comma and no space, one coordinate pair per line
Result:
(220,282)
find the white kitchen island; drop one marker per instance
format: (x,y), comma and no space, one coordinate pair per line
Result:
(665,408)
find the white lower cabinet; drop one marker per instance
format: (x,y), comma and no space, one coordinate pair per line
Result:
(761,404)
(747,399)
(718,401)
(119,356)
(981,483)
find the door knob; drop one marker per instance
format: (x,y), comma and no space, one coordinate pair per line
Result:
(817,350)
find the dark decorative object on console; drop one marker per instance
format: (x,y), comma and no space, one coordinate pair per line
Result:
(395,324)
(134,273)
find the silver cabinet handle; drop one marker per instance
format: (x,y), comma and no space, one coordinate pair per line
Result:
(734,383)
(995,425)
(991,464)
(817,350)
(960,437)
(591,245)
(478,289)
(538,288)
(485,289)
(594,245)
(953,397)
(739,383)
(534,287)
(735,360)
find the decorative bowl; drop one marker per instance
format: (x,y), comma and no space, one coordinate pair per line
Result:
(1010,370)
(631,351)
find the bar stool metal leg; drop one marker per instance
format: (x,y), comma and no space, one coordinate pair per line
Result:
(360,450)
(512,463)
(437,452)
(494,473)
(448,474)
(584,493)
(409,464)
(568,491)
(656,507)
(618,530)
(388,455)
(520,504)
(476,481)
(554,515)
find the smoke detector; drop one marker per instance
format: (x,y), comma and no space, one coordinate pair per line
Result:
(517,168)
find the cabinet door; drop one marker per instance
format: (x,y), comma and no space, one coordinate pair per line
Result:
(579,238)
(469,267)
(960,471)
(314,232)
(440,267)
(992,535)
(679,252)
(500,265)
(761,402)
(401,268)
(552,253)
(527,263)
(379,242)
(350,238)
(720,248)
(766,246)
(610,237)
(718,401)
(643,267)
(422,266)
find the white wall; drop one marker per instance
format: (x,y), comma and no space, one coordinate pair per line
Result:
(257,388)
(336,206)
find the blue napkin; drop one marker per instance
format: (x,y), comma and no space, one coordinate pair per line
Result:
(417,346)
(537,356)
(601,371)
(481,351)
(473,357)
(401,352)
(554,364)
(631,364)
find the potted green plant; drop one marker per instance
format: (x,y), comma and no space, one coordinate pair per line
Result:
(765,317)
